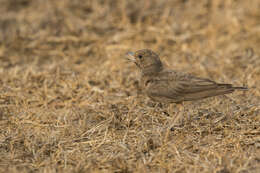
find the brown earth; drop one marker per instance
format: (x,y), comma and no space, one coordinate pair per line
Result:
(69,102)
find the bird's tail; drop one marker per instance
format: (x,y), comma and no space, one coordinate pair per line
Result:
(241,88)
(229,86)
(219,89)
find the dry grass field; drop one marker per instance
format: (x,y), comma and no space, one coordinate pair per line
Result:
(70,102)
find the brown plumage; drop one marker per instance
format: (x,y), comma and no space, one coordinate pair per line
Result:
(169,86)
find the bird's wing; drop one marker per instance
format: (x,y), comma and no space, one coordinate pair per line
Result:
(180,87)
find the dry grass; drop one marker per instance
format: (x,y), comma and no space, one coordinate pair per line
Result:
(69,102)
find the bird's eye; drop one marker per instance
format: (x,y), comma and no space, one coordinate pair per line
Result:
(140,56)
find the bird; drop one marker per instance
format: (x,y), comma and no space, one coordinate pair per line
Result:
(165,85)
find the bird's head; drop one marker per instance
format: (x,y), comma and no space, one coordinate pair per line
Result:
(147,60)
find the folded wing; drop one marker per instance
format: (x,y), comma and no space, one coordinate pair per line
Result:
(177,87)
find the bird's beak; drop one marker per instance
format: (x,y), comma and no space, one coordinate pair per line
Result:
(130,56)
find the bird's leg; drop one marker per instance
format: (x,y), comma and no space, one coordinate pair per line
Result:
(186,117)
(158,105)
(178,121)
(169,109)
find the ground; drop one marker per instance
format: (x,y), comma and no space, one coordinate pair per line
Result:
(70,102)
